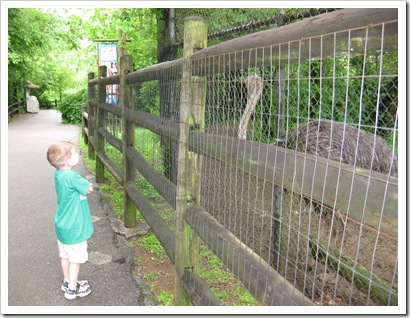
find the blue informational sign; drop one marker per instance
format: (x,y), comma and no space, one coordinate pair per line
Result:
(108,56)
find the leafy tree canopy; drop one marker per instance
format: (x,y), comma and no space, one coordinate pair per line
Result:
(54,48)
(37,45)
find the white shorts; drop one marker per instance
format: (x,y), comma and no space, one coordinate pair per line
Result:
(76,253)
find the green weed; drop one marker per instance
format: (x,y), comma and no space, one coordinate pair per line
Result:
(131,244)
(224,284)
(166,298)
(151,276)
(151,243)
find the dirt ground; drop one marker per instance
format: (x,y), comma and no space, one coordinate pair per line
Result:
(157,271)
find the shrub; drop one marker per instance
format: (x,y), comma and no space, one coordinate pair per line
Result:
(70,107)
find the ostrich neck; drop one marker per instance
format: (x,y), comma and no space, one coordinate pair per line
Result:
(254,94)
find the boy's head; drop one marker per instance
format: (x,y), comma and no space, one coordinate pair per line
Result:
(62,155)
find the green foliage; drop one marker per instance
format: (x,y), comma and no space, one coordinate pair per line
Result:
(151,243)
(70,107)
(38,42)
(131,244)
(148,98)
(151,276)
(224,284)
(148,145)
(166,298)
(137,24)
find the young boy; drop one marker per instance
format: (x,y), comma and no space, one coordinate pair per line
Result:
(73,223)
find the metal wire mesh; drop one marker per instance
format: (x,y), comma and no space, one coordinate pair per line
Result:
(328,105)
(342,109)
(338,108)
(229,23)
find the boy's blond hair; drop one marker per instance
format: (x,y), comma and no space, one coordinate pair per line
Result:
(59,153)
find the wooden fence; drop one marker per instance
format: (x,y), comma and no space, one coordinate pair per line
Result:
(16,107)
(369,197)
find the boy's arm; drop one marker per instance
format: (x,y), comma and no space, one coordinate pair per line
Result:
(81,184)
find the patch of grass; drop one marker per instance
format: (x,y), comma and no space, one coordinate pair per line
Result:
(210,267)
(115,194)
(166,298)
(151,276)
(146,188)
(138,260)
(225,285)
(131,244)
(244,296)
(151,243)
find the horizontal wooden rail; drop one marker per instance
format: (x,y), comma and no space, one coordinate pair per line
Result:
(111,167)
(199,293)
(16,106)
(115,142)
(154,220)
(93,82)
(115,110)
(373,196)
(307,39)
(163,186)
(154,72)
(110,80)
(262,281)
(158,125)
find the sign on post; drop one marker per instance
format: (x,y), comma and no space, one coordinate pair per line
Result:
(108,56)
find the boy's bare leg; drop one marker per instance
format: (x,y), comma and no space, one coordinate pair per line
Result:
(74,271)
(65,265)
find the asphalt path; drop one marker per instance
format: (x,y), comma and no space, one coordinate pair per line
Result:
(34,273)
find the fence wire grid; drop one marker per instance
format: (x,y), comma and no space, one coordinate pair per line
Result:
(327,104)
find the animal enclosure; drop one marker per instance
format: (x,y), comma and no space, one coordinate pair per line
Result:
(277,150)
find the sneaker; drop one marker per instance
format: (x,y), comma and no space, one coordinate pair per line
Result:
(64,286)
(80,291)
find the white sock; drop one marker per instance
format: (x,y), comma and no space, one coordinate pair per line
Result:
(72,287)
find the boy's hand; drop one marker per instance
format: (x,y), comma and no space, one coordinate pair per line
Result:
(90,189)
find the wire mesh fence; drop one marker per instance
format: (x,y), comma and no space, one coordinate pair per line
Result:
(229,23)
(291,173)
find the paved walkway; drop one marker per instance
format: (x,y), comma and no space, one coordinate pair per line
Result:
(34,274)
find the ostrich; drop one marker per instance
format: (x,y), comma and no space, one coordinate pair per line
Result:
(254,84)
(345,143)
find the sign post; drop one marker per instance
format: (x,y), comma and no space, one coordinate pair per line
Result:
(108,56)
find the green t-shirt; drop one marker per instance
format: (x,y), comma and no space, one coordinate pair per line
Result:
(72,221)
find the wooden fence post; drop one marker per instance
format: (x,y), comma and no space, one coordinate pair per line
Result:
(128,136)
(195,159)
(195,36)
(100,122)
